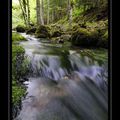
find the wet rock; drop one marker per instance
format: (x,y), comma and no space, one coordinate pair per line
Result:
(42,32)
(60,41)
(103,42)
(82,25)
(31,24)
(20,28)
(56,34)
(31,31)
(83,37)
(66,37)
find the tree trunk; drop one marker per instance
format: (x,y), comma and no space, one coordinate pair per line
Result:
(48,15)
(52,17)
(69,13)
(24,5)
(38,12)
(23,8)
(28,12)
(41,13)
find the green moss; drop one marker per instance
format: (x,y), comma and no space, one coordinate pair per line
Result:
(19,62)
(17,49)
(31,30)
(99,55)
(92,34)
(105,36)
(42,32)
(19,69)
(17,92)
(16,37)
(21,28)
(84,37)
(57,33)
(103,42)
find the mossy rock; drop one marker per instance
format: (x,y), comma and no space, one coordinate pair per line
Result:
(17,57)
(75,27)
(42,32)
(83,25)
(56,34)
(17,92)
(66,37)
(16,37)
(83,37)
(57,27)
(20,28)
(19,62)
(103,42)
(31,31)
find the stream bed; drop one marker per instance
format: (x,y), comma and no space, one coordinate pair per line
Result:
(64,83)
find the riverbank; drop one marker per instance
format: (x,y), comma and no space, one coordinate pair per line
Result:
(19,70)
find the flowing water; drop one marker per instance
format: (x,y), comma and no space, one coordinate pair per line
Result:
(63,84)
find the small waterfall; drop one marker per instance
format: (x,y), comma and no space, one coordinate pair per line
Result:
(63,87)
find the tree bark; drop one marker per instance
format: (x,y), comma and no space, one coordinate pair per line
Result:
(69,13)
(23,11)
(41,13)
(38,12)
(28,12)
(48,14)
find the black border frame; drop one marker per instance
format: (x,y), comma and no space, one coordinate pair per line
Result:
(10,60)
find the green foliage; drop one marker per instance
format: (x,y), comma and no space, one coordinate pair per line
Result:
(77,12)
(17,16)
(58,9)
(16,37)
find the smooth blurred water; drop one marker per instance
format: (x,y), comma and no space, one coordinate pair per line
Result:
(63,84)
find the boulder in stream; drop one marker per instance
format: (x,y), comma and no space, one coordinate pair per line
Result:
(83,37)
(57,34)
(42,32)
(31,31)
(20,28)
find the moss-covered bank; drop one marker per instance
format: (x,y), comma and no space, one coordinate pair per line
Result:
(93,35)
(16,37)
(19,68)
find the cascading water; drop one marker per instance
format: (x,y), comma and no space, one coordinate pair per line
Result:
(63,85)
